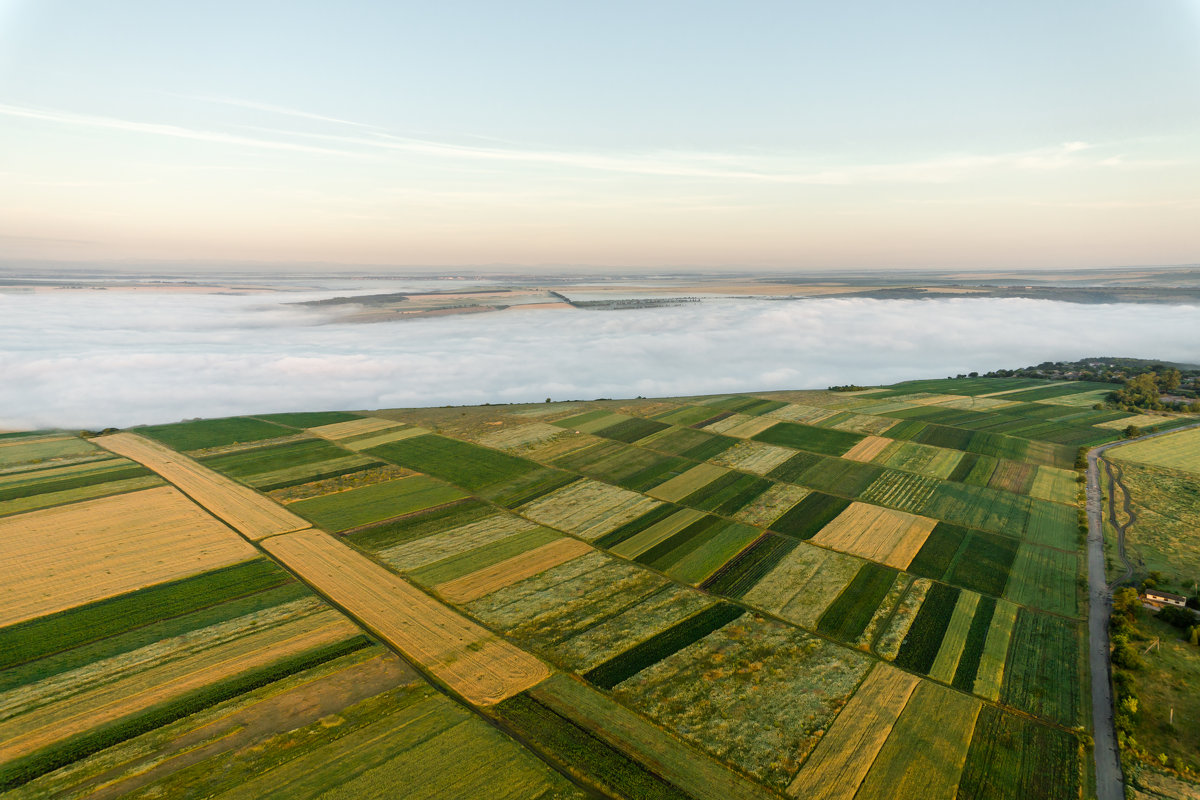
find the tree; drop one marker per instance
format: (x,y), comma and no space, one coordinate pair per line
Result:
(1169,380)
(1132,432)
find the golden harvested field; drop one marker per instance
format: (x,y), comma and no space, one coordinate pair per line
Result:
(354,427)
(754,457)
(681,486)
(507,572)
(245,510)
(588,508)
(61,706)
(472,661)
(867,449)
(61,557)
(880,534)
(841,760)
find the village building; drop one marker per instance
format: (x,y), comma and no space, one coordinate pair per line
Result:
(1156,598)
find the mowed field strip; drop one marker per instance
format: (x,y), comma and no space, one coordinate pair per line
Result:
(245,510)
(61,557)
(472,661)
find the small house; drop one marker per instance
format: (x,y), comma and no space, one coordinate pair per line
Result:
(1158,599)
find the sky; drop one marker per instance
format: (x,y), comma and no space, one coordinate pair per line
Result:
(112,358)
(732,135)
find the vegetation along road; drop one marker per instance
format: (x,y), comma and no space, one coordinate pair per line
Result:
(1109,781)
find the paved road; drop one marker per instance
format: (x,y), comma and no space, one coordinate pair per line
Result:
(1109,780)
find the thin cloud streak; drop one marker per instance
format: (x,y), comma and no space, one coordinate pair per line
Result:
(214,355)
(775,169)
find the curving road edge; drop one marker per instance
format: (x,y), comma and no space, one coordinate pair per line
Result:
(1110,782)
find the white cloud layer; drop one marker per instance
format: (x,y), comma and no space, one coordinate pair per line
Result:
(98,359)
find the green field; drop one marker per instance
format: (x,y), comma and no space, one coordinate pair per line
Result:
(657,556)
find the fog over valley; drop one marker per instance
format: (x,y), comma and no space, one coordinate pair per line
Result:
(93,359)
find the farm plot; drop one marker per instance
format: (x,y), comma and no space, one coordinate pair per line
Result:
(1056,485)
(922,458)
(521,436)
(848,617)
(69,555)
(291,464)
(810,515)
(534,559)
(990,673)
(979,507)
(1175,451)
(770,505)
(1043,670)
(840,761)
(905,491)
(700,549)
(632,468)
(664,523)
(696,773)
(753,457)
(451,539)
(876,533)
(662,610)
(680,486)
(1045,579)
(1013,756)
(28,491)
(949,655)
(893,636)
(923,640)
(358,426)
(631,429)
(684,415)
(798,412)
(591,421)
(754,693)
(505,478)
(926,751)
(243,509)
(1053,525)
(472,661)
(826,441)
(838,476)
(545,611)
(1013,476)
(803,584)
(307,419)
(691,444)
(868,449)
(45,451)
(278,719)
(356,508)
(745,428)
(206,433)
(859,423)
(71,704)
(589,509)
(984,563)
(367,441)
(729,493)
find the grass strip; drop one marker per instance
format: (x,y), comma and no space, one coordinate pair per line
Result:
(920,646)
(636,526)
(968,662)
(653,650)
(581,753)
(22,770)
(740,575)
(848,616)
(37,638)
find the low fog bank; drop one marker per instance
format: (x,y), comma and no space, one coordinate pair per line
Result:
(93,360)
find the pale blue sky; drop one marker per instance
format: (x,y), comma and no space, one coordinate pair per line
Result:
(755,135)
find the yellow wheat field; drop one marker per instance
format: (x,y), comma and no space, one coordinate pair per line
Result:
(354,427)
(472,661)
(135,687)
(510,570)
(840,762)
(61,557)
(245,510)
(880,534)
(867,449)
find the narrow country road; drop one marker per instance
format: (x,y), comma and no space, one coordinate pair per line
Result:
(1109,780)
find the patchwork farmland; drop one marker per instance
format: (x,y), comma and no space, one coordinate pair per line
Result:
(848,595)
